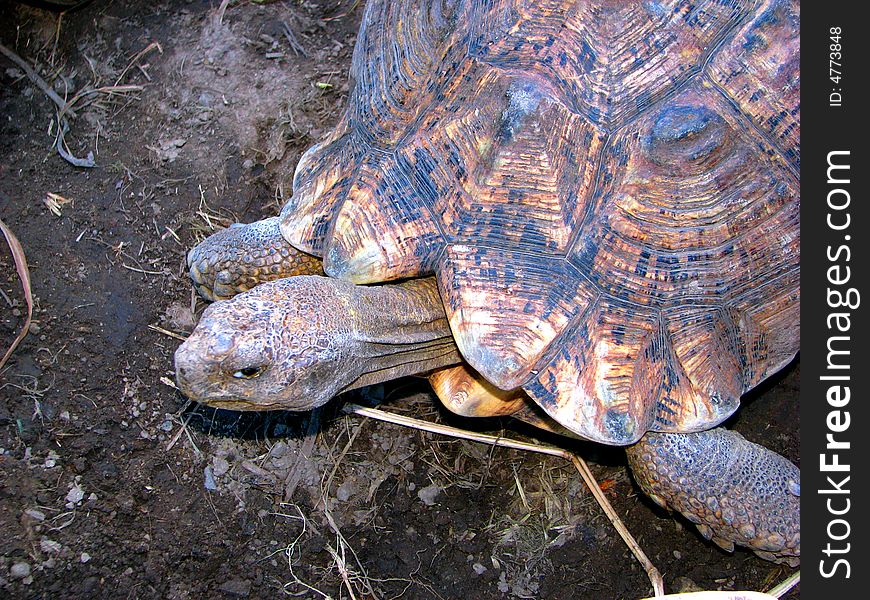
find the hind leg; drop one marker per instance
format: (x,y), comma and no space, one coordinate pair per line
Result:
(735,491)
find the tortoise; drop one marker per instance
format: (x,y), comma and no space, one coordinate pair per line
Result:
(584,214)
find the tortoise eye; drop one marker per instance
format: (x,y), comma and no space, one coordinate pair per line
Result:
(249,372)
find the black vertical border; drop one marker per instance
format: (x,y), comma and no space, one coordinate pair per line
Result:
(827,128)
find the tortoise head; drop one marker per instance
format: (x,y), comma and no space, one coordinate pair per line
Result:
(286,344)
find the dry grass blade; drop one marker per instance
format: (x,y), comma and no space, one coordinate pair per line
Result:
(652,572)
(785,586)
(87,95)
(24,275)
(54,203)
(221,11)
(136,58)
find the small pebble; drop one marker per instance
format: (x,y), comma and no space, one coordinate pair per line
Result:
(75,495)
(220,466)
(237,588)
(346,490)
(428,494)
(19,570)
(36,515)
(210,483)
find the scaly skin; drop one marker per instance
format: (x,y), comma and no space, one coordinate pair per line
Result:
(735,491)
(239,257)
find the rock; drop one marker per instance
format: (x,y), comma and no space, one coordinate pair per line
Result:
(20,570)
(210,483)
(503,586)
(49,546)
(346,490)
(429,493)
(75,495)
(35,514)
(685,585)
(238,588)
(220,466)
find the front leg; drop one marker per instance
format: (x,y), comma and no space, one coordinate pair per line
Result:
(239,257)
(735,491)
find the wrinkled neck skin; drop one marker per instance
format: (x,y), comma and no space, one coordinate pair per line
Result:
(399,330)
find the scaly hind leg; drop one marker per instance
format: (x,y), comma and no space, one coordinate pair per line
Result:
(239,257)
(735,491)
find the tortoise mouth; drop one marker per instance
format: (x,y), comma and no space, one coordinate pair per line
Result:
(240,404)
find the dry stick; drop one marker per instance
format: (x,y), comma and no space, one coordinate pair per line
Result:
(294,43)
(219,15)
(35,78)
(24,275)
(651,571)
(63,128)
(171,334)
(63,106)
(108,90)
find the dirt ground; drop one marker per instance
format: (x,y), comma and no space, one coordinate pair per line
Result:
(113,486)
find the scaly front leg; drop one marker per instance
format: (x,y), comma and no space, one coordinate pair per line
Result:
(239,257)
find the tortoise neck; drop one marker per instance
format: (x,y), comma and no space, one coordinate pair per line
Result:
(401,330)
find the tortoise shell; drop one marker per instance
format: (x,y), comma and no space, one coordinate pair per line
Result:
(607,193)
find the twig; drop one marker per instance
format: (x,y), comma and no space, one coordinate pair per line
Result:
(219,15)
(66,154)
(24,275)
(294,43)
(171,334)
(109,90)
(290,550)
(181,430)
(35,78)
(143,271)
(343,14)
(651,571)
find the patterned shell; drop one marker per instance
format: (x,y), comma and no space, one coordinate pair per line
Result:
(607,193)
